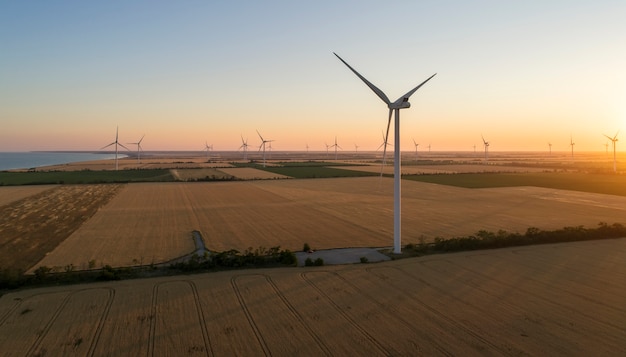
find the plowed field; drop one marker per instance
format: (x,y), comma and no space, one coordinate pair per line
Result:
(565,299)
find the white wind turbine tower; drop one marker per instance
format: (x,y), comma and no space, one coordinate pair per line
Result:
(550,148)
(335,145)
(356,148)
(486,144)
(416,145)
(263,142)
(614,141)
(116,143)
(572,143)
(244,146)
(400,103)
(139,149)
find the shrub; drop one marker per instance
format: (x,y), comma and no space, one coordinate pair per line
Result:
(308,262)
(318,262)
(306,247)
(42,272)
(287,257)
(364,260)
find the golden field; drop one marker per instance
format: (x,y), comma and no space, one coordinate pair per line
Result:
(152,222)
(565,299)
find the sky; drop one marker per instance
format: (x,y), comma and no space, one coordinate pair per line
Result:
(521,74)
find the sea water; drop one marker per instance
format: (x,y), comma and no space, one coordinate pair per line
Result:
(28,160)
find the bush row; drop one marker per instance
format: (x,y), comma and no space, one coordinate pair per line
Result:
(489,240)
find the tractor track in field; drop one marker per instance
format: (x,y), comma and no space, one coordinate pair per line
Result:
(246,310)
(346,316)
(438,313)
(551,302)
(397,317)
(286,303)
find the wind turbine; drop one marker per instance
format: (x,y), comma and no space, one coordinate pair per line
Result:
(207,148)
(486,144)
(416,145)
(116,143)
(335,146)
(263,142)
(383,144)
(550,148)
(139,149)
(400,103)
(572,143)
(356,148)
(244,146)
(614,141)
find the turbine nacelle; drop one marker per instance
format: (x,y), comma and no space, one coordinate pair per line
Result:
(401,103)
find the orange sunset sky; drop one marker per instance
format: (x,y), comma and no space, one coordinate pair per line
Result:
(522,74)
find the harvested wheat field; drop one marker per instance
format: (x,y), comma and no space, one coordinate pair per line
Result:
(152,222)
(9,194)
(34,225)
(563,299)
(442,169)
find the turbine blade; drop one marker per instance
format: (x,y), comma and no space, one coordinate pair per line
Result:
(410,93)
(122,145)
(378,92)
(260,135)
(104,147)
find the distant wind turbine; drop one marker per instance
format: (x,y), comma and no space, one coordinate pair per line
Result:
(400,103)
(550,148)
(486,145)
(416,145)
(572,143)
(263,142)
(356,148)
(139,149)
(614,141)
(116,143)
(207,148)
(335,145)
(244,147)
(383,145)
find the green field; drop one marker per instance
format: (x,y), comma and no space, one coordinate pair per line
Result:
(302,172)
(597,183)
(86,176)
